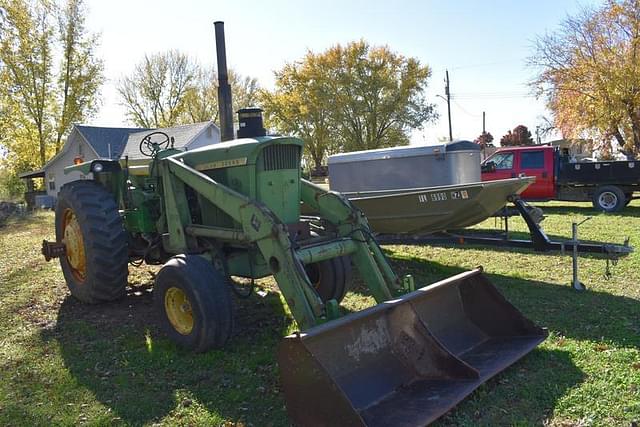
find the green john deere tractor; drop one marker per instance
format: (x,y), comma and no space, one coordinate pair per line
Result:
(233,209)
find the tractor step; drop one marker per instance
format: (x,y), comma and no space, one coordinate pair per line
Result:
(407,361)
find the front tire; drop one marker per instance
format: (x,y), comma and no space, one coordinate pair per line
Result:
(330,278)
(96,255)
(194,303)
(609,198)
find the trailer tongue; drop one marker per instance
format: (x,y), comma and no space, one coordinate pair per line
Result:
(407,361)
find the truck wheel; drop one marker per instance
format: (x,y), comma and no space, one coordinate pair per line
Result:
(194,303)
(609,198)
(96,254)
(330,278)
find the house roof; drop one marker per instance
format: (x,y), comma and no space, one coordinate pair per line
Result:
(32,174)
(182,135)
(107,141)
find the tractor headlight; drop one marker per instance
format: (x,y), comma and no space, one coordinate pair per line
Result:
(97,167)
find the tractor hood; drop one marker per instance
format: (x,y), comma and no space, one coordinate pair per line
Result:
(239,152)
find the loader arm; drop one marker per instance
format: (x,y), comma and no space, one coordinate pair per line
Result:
(262,227)
(259,226)
(350,221)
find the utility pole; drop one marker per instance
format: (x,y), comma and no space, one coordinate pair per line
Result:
(448,93)
(483,123)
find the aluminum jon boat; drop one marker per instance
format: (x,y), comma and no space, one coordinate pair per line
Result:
(434,209)
(420,189)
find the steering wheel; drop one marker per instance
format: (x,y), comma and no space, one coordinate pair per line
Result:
(154,142)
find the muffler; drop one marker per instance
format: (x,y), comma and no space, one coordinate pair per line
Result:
(404,362)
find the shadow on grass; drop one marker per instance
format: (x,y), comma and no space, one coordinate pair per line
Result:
(115,351)
(29,218)
(596,316)
(467,244)
(628,211)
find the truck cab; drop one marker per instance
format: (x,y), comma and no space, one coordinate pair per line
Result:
(537,161)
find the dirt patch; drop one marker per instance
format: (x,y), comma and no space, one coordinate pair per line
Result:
(39,314)
(253,316)
(134,310)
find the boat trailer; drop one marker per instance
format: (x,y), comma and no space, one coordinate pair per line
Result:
(539,241)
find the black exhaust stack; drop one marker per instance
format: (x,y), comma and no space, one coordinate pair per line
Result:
(225,105)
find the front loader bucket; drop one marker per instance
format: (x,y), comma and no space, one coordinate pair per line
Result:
(404,362)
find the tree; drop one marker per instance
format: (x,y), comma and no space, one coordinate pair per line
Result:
(169,89)
(81,71)
(26,51)
(37,105)
(484,140)
(201,100)
(519,136)
(379,95)
(353,97)
(589,74)
(301,105)
(154,95)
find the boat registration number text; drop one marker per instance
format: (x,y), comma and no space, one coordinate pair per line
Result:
(443,196)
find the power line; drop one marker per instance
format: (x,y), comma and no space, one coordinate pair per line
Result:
(465,111)
(485,64)
(491,95)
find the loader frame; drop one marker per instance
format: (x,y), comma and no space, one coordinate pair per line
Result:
(261,227)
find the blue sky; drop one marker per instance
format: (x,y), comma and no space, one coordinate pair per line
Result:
(483,44)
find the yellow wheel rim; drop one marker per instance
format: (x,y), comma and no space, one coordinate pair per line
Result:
(74,245)
(178,309)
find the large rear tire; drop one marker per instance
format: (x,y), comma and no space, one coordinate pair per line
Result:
(330,278)
(609,198)
(96,253)
(194,303)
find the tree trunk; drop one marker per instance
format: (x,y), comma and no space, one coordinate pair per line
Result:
(619,138)
(634,117)
(43,152)
(317,165)
(65,97)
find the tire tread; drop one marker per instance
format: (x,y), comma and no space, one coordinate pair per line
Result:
(105,241)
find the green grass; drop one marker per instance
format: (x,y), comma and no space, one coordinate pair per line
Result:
(65,363)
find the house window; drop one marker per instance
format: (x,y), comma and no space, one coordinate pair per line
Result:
(52,182)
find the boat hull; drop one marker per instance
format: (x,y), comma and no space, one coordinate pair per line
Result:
(433,209)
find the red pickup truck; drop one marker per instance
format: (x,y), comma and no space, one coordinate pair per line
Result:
(608,185)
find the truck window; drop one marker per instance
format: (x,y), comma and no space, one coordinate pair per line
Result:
(532,160)
(503,160)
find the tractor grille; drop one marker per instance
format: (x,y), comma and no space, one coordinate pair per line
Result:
(276,157)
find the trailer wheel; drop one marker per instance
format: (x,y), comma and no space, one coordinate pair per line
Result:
(330,278)
(96,255)
(609,198)
(194,303)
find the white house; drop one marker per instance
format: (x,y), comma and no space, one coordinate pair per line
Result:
(90,142)
(186,137)
(85,143)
